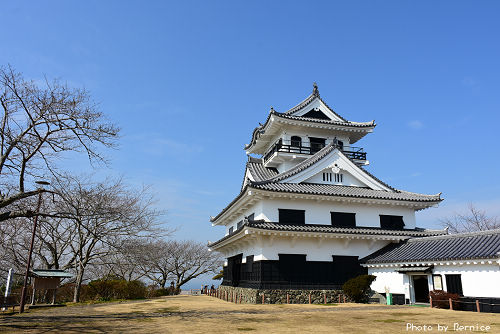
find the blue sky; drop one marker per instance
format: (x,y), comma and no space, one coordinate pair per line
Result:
(188,81)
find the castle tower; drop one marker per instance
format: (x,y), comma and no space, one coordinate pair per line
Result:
(308,210)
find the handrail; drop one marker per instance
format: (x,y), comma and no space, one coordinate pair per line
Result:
(356,153)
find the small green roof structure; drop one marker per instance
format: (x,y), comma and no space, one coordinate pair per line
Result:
(47,279)
(50,273)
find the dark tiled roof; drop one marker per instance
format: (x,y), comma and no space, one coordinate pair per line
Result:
(309,99)
(325,121)
(288,115)
(268,178)
(348,230)
(301,166)
(258,171)
(345,191)
(261,128)
(328,189)
(463,246)
(262,225)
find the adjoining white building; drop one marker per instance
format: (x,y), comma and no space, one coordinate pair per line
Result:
(467,264)
(308,209)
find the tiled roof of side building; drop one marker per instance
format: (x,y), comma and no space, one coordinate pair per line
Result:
(462,246)
(273,226)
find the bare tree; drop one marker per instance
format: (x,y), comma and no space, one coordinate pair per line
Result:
(153,259)
(162,261)
(120,263)
(89,225)
(38,124)
(472,220)
(105,214)
(190,259)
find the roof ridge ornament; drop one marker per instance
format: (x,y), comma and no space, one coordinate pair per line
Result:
(315,89)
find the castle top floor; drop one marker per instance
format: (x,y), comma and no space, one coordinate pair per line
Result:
(304,130)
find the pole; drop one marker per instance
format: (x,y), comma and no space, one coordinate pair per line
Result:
(7,288)
(28,264)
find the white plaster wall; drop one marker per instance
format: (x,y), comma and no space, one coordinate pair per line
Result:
(481,280)
(255,209)
(387,277)
(316,248)
(347,179)
(319,212)
(286,136)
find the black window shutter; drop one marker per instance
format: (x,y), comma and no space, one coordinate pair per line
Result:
(392,222)
(292,217)
(343,219)
(249,264)
(454,284)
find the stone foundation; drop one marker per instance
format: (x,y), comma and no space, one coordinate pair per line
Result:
(282,296)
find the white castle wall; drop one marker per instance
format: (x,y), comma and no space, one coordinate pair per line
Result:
(481,280)
(478,280)
(319,212)
(316,248)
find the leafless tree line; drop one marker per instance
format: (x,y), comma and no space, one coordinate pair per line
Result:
(470,220)
(93,228)
(102,229)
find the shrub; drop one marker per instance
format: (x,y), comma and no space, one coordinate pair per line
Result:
(441,299)
(358,288)
(107,289)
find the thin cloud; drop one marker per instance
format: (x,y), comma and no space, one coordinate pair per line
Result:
(415,124)
(470,82)
(155,145)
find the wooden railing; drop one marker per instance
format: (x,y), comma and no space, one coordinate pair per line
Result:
(355,153)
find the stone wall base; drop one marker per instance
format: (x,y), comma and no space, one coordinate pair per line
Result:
(282,296)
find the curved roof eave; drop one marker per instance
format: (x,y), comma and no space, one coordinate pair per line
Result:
(262,128)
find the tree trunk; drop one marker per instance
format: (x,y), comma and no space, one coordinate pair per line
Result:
(78,285)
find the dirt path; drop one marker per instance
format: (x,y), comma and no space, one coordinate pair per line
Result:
(202,314)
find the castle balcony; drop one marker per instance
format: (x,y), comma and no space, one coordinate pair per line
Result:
(283,150)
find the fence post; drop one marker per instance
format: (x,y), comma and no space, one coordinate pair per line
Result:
(477,306)
(344,298)
(324,297)
(309,298)
(451,303)
(263,300)
(240,299)
(430,301)
(287,298)
(339,299)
